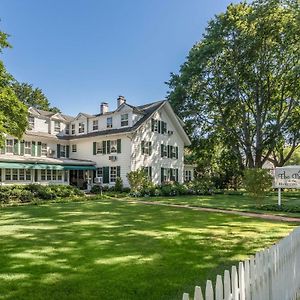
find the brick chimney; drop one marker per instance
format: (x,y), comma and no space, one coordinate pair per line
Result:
(121,100)
(103,108)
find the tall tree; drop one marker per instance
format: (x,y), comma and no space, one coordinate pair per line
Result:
(32,97)
(241,82)
(13,113)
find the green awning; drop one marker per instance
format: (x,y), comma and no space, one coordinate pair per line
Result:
(79,168)
(15,165)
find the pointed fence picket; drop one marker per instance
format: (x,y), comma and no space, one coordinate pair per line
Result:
(272,274)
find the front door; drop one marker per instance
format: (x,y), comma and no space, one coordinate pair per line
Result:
(78,179)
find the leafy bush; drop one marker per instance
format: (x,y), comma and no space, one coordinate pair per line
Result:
(257,183)
(137,180)
(119,184)
(96,189)
(201,186)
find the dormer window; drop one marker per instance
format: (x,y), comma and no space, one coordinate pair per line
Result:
(67,129)
(95,125)
(31,122)
(124,120)
(109,123)
(73,128)
(56,126)
(81,127)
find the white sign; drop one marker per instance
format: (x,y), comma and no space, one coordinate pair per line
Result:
(287,177)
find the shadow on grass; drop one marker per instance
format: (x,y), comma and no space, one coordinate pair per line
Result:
(115,250)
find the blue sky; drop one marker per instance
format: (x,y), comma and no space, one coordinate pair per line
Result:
(83,52)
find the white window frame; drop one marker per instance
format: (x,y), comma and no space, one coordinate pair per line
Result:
(147,146)
(113,146)
(124,120)
(109,122)
(31,122)
(81,127)
(44,149)
(73,129)
(57,126)
(9,148)
(67,129)
(27,147)
(95,125)
(99,172)
(113,174)
(99,147)
(74,148)
(63,151)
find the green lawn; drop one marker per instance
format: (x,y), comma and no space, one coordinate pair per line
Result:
(233,202)
(117,250)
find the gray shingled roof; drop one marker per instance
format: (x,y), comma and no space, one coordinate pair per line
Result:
(147,110)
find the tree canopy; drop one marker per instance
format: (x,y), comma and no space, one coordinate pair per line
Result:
(13,113)
(32,97)
(240,84)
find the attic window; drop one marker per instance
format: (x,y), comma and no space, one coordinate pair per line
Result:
(109,122)
(81,127)
(124,120)
(31,122)
(56,126)
(95,125)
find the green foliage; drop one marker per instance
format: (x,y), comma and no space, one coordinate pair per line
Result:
(138,181)
(31,192)
(96,189)
(13,114)
(240,83)
(32,97)
(257,183)
(119,184)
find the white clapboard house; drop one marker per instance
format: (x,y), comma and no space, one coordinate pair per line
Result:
(81,150)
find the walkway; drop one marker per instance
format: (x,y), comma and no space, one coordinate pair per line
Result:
(223,211)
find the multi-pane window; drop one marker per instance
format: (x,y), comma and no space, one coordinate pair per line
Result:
(148,172)
(100,172)
(173,152)
(73,128)
(154,125)
(44,149)
(31,122)
(59,175)
(27,147)
(113,174)
(56,126)
(49,174)
(124,120)
(43,175)
(63,150)
(109,122)
(113,146)
(146,147)
(17,174)
(95,125)
(81,127)
(187,175)
(99,147)
(9,146)
(67,130)
(74,148)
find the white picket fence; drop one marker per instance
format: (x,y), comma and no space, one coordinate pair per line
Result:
(273,274)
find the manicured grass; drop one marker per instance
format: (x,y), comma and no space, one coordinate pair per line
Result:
(111,249)
(234,202)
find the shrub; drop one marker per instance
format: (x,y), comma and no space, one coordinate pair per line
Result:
(257,183)
(96,189)
(202,186)
(137,180)
(119,184)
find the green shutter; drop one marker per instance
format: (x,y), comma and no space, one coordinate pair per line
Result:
(162,150)
(152,125)
(143,147)
(162,175)
(67,151)
(58,151)
(104,147)
(2,150)
(94,148)
(171,152)
(108,147)
(150,173)
(168,153)
(119,145)
(164,127)
(150,148)
(33,148)
(176,175)
(118,171)
(159,126)
(105,174)
(16,147)
(39,149)
(176,149)
(22,149)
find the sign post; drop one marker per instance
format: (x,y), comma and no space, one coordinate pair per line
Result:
(286,177)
